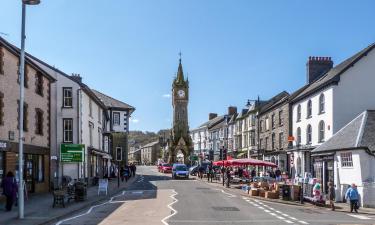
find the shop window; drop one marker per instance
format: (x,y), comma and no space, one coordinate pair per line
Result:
(39,121)
(346,159)
(39,83)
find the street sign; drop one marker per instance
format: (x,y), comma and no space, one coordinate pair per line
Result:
(71,153)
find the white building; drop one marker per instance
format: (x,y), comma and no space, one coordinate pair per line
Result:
(348,157)
(332,98)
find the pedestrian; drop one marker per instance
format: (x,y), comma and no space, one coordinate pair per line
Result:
(228,177)
(126,173)
(240,172)
(253,174)
(353,196)
(122,173)
(278,174)
(210,173)
(331,195)
(9,186)
(134,169)
(200,171)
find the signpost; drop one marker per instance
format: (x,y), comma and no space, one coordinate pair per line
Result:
(72,153)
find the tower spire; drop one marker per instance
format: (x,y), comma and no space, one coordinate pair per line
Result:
(180,73)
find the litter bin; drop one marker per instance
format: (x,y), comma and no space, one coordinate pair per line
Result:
(80,191)
(286,192)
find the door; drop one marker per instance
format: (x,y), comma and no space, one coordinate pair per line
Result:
(29,174)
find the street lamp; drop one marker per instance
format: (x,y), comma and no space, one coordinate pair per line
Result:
(22,78)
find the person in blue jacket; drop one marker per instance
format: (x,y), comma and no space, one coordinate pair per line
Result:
(353,196)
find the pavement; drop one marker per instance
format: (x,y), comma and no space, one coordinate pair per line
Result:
(38,208)
(155,199)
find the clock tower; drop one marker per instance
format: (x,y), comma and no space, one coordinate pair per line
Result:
(180,140)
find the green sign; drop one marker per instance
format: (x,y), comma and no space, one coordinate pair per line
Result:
(71,153)
(194,158)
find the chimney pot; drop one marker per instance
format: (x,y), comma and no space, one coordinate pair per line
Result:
(316,67)
(232,110)
(212,116)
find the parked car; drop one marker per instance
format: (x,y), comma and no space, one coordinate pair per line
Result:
(180,171)
(193,170)
(166,168)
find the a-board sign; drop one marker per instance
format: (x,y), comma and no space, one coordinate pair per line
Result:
(71,153)
(103,186)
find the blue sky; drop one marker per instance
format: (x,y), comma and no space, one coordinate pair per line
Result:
(232,49)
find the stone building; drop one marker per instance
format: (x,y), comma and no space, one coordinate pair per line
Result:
(274,130)
(150,153)
(37,110)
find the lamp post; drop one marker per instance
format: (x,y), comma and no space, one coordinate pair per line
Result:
(22,77)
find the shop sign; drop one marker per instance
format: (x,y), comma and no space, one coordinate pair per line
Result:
(324,158)
(71,153)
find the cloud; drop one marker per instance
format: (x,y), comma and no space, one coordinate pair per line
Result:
(134,120)
(166,96)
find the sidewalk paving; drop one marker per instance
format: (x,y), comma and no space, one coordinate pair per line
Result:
(340,207)
(38,208)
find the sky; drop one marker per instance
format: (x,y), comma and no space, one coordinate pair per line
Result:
(232,50)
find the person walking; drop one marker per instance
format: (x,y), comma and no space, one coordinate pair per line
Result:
(253,174)
(200,171)
(134,169)
(353,196)
(228,177)
(331,195)
(209,174)
(122,174)
(126,173)
(10,187)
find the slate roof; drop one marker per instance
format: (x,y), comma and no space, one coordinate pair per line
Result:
(211,123)
(359,133)
(110,102)
(333,75)
(274,101)
(15,50)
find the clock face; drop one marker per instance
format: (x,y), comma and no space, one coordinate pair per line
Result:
(181,93)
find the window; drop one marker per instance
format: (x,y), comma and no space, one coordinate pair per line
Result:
(281,119)
(281,140)
(321,104)
(298,113)
(261,143)
(298,141)
(67,97)
(309,109)
(252,138)
(266,143)
(273,121)
(90,108)
(39,121)
(346,159)
(1,60)
(39,83)
(273,141)
(100,138)
(252,120)
(26,78)
(261,126)
(91,128)
(267,124)
(321,131)
(116,118)
(68,130)
(99,115)
(308,134)
(25,111)
(1,108)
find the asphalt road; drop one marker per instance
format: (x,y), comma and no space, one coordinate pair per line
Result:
(196,202)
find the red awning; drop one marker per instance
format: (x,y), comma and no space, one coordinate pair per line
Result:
(244,162)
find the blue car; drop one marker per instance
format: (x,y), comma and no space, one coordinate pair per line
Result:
(180,171)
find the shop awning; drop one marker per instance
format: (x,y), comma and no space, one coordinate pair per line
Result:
(241,154)
(244,162)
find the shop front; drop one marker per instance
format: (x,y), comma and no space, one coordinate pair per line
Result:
(100,163)
(278,158)
(324,169)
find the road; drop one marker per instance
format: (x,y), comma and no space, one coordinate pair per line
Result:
(157,199)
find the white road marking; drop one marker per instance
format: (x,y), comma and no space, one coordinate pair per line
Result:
(361,217)
(229,194)
(303,222)
(288,221)
(170,206)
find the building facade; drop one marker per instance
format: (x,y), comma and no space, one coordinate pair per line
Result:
(150,153)
(37,112)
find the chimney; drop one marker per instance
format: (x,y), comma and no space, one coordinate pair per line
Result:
(76,77)
(212,116)
(317,67)
(232,110)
